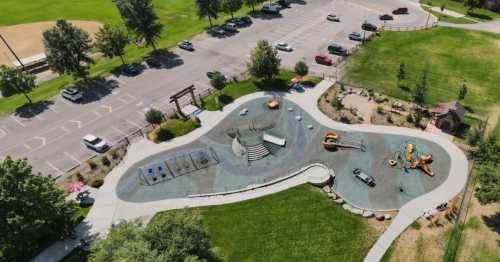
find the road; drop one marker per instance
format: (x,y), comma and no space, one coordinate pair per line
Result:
(49,134)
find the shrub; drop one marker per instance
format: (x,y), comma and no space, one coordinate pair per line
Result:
(79,176)
(96,182)
(380,110)
(153,116)
(114,154)
(197,121)
(409,118)
(337,103)
(92,164)
(342,87)
(389,119)
(105,161)
(416,225)
(301,68)
(164,134)
(218,81)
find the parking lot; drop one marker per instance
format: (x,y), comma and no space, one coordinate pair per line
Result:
(49,134)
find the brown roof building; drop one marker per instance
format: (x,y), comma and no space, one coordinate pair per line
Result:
(449,116)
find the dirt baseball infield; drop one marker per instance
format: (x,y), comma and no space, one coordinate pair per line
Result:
(26,39)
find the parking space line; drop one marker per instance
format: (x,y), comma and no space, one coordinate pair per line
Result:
(44,141)
(3,133)
(54,167)
(17,120)
(53,110)
(73,158)
(118,130)
(132,123)
(109,108)
(27,146)
(78,123)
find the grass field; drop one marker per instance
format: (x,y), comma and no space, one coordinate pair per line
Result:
(452,56)
(178,16)
(299,224)
(478,13)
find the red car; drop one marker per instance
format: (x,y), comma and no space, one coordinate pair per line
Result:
(323,59)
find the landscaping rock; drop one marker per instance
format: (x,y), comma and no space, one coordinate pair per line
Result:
(356,211)
(310,126)
(298,118)
(379,216)
(339,200)
(327,189)
(346,207)
(332,195)
(387,217)
(367,213)
(290,109)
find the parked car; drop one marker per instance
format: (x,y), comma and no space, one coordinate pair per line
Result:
(72,94)
(283,47)
(95,143)
(367,179)
(337,50)
(237,21)
(355,36)
(271,9)
(186,45)
(230,27)
(153,62)
(131,69)
(400,11)
(369,27)
(283,3)
(217,30)
(323,59)
(332,18)
(246,19)
(211,74)
(386,17)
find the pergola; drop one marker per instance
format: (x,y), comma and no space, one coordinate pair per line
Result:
(175,98)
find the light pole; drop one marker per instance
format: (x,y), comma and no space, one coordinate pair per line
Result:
(12,51)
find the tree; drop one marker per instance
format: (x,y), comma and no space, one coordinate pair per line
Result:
(170,236)
(231,6)
(218,81)
(476,134)
(264,61)
(487,161)
(139,16)
(401,74)
(471,4)
(111,41)
(463,92)
(301,68)
(421,89)
(208,8)
(32,210)
(252,3)
(13,80)
(68,49)
(154,116)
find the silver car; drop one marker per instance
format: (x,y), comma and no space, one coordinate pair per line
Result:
(283,47)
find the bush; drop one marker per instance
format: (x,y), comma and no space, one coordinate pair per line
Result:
(301,68)
(197,121)
(79,176)
(409,118)
(105,161)
(154,116)
(96,182)
(342,87)
(91,164)
(164,134)
(114,154)
(416,225)
(389,119)
(380,110)
(337,103)
(218,81)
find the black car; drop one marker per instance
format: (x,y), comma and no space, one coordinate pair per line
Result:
(337,50)
(211,74)
(369,27)
(153,62)
(217,30)
(246,19)
(283,3)
(386,17)
(186,45)
(132,69)
(355,36)
(400,11)
(237,21)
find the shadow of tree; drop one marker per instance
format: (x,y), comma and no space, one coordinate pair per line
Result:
(96,89)
(275,84)
(168,58)
(493,222)
(479,16)
(31,110)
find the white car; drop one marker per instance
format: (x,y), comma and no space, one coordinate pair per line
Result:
(72,94)
(332,18)
(95,143)
(283,47)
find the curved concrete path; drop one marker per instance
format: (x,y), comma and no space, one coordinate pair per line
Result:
(109,207)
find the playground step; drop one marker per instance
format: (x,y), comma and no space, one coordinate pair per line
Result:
(273,149)
(257,152)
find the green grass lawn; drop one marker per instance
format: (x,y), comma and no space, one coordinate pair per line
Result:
(299,224)
(176,127)
(234,90)
(478,13)
(178,16)
(453,56)
(450,19)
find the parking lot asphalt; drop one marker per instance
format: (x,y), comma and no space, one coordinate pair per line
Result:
(49,134)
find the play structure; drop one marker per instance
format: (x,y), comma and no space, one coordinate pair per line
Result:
(178,165)
(332,141)
(411,158)
(273,104)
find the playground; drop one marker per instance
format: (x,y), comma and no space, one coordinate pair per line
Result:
(270,138)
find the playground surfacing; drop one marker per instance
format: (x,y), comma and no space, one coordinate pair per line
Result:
(223,170)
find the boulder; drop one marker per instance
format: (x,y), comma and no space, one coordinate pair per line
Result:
(379,216)
(356,211)
(387,217)
(327,189)
(346,206)
(367,213)
(332,195)
(339,200)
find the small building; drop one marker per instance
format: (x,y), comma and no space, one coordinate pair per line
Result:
(449,116)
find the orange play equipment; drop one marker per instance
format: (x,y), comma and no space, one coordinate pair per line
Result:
(423,163)
(392,162)
(330,140)
(273,104)
(409,152)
